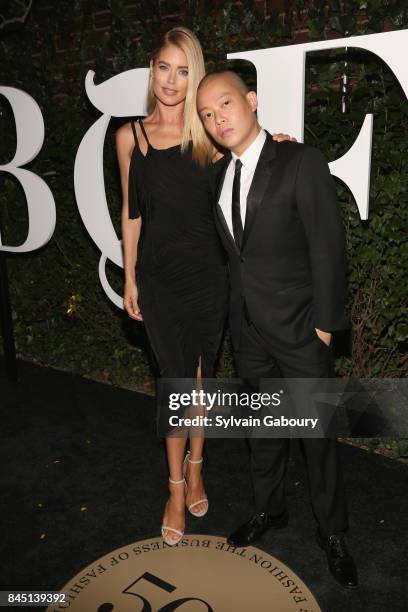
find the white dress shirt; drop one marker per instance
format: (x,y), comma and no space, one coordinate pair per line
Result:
(249,161)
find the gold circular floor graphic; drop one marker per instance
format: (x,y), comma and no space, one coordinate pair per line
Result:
(201,574)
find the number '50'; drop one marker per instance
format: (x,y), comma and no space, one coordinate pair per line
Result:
(161,584)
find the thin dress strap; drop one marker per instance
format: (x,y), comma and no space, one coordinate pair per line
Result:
(134,131)
(144,131)
(133,204)
(137,145)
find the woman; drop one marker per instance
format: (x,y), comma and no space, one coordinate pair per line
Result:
(175,272)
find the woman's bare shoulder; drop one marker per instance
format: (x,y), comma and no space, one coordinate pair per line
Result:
(124,133)
(125,142)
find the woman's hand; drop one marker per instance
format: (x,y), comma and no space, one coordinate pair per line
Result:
(130,299)
(281,137)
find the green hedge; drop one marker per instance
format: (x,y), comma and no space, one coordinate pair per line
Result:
(61,315)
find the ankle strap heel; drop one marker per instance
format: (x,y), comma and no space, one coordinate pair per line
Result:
(177,481)
(166,528)
(200,501)
(198,460)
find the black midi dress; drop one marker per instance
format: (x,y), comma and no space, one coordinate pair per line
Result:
(181,272)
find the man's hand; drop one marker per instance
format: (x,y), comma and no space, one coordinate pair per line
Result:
(281,137)
(324,336)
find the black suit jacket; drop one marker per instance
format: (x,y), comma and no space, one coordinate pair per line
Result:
(290,275)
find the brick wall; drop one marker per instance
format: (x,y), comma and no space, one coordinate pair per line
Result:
(100,22)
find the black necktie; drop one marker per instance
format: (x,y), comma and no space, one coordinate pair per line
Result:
(236,205)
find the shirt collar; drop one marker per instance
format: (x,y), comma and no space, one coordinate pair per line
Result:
(250,156)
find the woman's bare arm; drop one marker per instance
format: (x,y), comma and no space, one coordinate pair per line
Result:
(130,227)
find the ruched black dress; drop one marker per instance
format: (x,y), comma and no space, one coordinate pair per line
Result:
(181,272)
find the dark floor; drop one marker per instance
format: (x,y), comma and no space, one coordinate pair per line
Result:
(68,442)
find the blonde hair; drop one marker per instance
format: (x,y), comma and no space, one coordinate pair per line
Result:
(193,129)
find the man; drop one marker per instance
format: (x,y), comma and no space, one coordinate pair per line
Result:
(279,219)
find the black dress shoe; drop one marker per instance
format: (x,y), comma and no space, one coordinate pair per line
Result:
(256,526)
(341,563)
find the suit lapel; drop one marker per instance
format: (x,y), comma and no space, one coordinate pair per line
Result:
(220,182)
(218,211)
(259,184)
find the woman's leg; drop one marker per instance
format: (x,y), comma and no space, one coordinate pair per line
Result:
(194,479)
(174,512)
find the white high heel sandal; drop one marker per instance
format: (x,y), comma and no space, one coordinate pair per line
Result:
(164,528)
(200,501)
